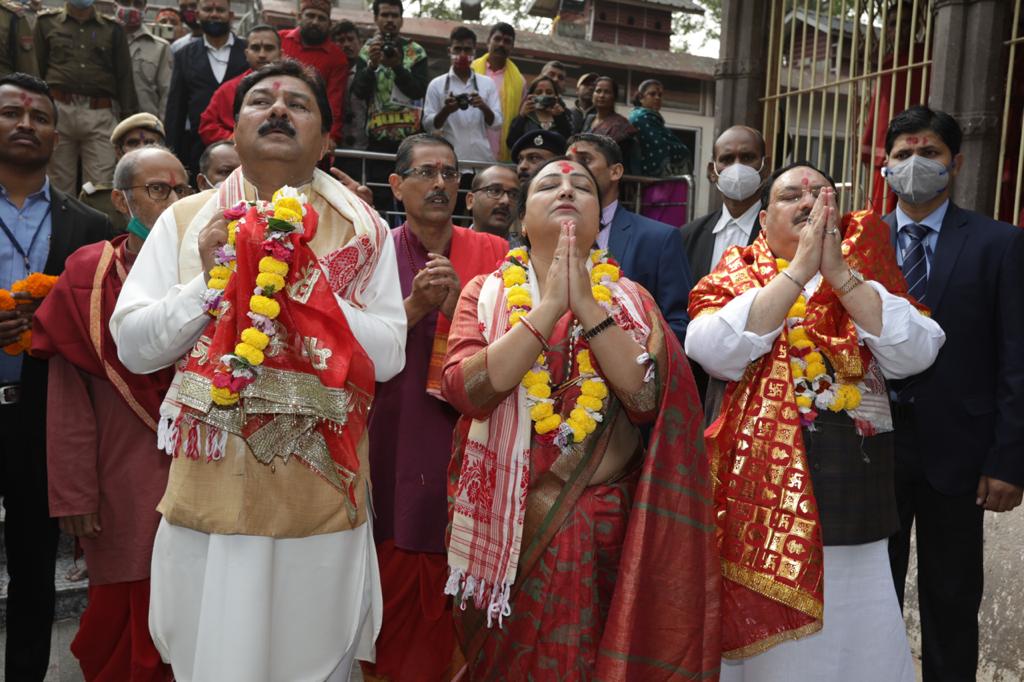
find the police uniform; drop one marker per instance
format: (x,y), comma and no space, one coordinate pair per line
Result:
(89,69)
(17,49)
(151,61)
(98,197)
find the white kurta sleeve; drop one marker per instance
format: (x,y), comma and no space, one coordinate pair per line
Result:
(909,341)
(157,319)
(720,343)
(380,326)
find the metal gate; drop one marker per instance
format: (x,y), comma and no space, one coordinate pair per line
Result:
(1010,171)
(838,71)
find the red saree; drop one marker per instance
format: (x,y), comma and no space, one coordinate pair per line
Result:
(615,581)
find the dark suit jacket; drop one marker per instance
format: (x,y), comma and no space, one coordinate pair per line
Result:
(968,406)
(651,254)
(192,86)
(699,242)
(73,225)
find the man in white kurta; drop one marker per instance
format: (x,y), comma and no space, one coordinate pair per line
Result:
(849,457)
(262,571)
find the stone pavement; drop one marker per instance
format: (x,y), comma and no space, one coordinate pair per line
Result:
(64,667)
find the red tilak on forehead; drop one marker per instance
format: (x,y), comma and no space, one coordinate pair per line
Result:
(573,150)
(566,167)
(26,99)
(276,85)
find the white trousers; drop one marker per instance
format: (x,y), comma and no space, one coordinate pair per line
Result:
(241,608)
(863,637)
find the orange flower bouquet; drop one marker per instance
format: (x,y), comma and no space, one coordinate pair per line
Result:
(37,286)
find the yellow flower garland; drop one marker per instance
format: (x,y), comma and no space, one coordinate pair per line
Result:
(807,365)
(270,280)
(586,412)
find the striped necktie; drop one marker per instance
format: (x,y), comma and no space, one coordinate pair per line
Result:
(915,261)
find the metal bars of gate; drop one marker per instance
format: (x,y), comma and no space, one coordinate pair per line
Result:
(1010,171)
(839,70)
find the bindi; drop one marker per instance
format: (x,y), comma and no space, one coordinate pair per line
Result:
(566,167)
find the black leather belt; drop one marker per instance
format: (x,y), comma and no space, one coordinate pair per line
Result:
(10,394)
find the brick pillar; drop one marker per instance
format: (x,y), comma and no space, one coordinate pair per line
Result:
(967,81)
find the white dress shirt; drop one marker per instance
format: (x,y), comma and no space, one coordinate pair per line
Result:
(733,231)
(158,319)
(607,216)
(720,342)
(219,56)
(464,128)
(933,221)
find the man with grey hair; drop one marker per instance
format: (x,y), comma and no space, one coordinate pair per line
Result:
(105,474)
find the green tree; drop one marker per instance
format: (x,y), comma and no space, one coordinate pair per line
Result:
(690,32)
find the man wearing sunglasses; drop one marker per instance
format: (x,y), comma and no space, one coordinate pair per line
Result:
(409,464)
(492,200)
(135,132)
(105,473)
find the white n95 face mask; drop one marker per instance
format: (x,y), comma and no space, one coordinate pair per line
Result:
(739,181)
(917,179)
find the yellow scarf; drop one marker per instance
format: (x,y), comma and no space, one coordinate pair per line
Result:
(511,97)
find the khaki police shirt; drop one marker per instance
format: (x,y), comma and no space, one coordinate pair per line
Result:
(151,59)
(99,198)
(89,58)
(17,48)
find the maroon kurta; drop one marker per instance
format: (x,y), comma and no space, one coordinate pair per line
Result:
(411,431)
(102,458)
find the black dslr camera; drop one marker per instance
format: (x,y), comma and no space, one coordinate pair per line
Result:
(388,46)
(463,100)
(544,101)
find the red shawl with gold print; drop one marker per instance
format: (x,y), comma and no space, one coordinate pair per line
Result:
(314,388)
(768,527)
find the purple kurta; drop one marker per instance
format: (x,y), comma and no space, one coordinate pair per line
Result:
(411,433)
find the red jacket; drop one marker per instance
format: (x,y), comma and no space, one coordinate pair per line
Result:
(218,120)
(330,61)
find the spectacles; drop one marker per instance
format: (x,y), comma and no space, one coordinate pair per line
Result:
(158,191)
(447,173)
(495,192)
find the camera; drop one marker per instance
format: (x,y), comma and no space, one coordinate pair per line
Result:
(544,101)
(463,100)
(388,46)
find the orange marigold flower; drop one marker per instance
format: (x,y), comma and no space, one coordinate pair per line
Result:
(6,300)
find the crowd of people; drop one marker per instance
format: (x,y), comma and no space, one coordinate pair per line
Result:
(565,442)
(103,70)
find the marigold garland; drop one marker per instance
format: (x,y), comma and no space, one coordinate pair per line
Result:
(280,219)
(37,285)
(813,385)
(586,412)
